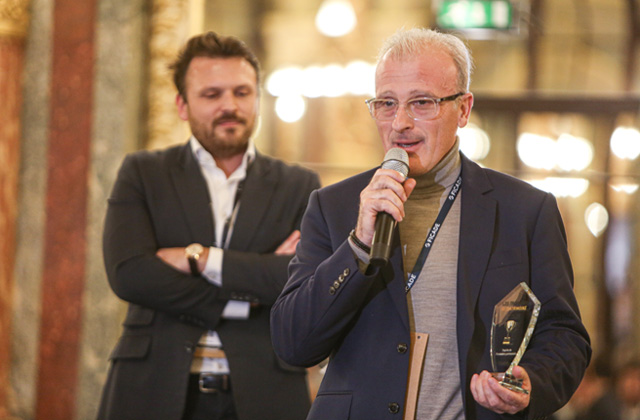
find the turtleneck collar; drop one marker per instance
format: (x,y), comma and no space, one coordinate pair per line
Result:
(441,176)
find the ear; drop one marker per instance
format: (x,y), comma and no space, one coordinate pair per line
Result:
(183,108)
(466,103)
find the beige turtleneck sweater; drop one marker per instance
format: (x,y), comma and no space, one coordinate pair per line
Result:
(432,299)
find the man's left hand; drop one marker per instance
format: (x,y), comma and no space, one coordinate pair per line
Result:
(490,394)
(288,247)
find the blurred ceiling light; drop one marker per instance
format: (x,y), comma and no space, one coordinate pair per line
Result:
(626,188)
(290,108)
(311,88)
(568,153)
(356,78)
(474,142)
(573,153)
(625,142)
(360,78)
(562,187)
(335,18)
(597,218)
(290,84)
(333,82)
(285,81)
(536,151)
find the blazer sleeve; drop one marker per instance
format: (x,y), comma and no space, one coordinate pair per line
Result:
(312,315)
(560,348)
(130,242)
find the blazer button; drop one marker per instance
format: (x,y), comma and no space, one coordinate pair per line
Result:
(346,272)
(402,348)
(394,408)
(332,290)
(336,284)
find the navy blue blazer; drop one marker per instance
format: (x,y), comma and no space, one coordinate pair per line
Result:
(509,232)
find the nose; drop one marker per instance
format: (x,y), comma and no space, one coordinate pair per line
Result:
(228,102)
(402,121)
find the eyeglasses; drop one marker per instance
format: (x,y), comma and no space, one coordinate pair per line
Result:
(420,109)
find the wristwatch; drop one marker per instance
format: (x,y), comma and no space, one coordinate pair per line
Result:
(193,253)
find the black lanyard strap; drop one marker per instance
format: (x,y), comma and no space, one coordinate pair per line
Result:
(433,232)
(228,223)
(230,219)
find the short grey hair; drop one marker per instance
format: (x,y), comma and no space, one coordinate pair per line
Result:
(407,42)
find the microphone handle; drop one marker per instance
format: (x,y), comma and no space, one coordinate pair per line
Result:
(382,238)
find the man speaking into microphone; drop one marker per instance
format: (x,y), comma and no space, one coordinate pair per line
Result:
(409,337)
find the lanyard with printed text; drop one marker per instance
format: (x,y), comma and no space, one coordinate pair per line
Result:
(428,243)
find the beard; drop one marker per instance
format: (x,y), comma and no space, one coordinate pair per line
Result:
(231,142)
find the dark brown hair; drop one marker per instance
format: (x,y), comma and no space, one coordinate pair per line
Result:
(210,45)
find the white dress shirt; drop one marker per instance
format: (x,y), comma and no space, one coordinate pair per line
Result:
(222,191)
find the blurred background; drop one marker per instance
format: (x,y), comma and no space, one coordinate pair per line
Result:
(82,83)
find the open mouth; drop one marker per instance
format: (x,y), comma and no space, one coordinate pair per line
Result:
(407,145)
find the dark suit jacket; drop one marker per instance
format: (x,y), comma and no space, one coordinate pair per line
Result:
(160,199)
(509,232)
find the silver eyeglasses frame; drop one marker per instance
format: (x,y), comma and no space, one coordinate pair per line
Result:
(436,102)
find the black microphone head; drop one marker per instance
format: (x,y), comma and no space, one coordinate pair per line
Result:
(398,160)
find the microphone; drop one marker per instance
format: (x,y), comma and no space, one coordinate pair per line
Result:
(398,160)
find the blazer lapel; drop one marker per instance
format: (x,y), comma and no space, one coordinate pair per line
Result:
(476,235)
(258,191)
(193,196)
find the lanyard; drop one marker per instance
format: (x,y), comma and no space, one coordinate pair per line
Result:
(230,221)
(433,232)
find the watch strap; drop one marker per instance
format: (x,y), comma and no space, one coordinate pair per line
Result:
(193,265)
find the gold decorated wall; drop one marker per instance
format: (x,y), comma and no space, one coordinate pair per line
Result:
(13,28)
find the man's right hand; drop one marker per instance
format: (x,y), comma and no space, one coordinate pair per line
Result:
(387,192)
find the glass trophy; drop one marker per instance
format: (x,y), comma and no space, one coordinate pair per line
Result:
(514,319)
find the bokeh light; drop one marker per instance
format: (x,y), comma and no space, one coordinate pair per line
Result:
(290,108)
(597,218)
(336,18)
(474,142)
(625,143)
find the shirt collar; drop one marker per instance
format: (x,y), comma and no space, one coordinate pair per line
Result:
(205,159)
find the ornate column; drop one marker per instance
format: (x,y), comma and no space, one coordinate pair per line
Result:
(68,158)
(169,31)
(13,26)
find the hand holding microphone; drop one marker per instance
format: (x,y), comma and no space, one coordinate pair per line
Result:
(382,205)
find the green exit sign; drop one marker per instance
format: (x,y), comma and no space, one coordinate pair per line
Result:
(475,14)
